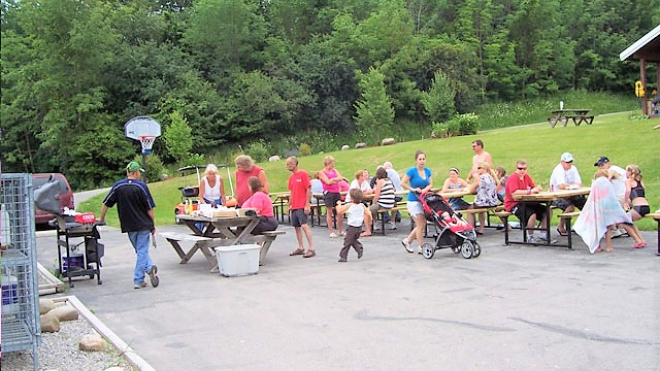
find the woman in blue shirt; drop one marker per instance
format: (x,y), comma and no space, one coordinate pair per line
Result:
(417,180)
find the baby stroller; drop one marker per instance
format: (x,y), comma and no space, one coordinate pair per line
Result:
(454,232)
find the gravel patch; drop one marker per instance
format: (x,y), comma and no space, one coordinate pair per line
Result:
(59,351)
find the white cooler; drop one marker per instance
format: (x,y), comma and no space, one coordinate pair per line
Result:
(238,260)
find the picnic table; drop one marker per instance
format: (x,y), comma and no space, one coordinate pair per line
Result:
(656,217)
(578,115)
(218,231)
(546,198)
(455,194)
(280,200)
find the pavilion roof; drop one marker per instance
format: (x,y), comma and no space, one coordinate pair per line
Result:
(647,47)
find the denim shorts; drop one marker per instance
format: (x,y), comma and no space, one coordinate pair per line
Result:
(415,208)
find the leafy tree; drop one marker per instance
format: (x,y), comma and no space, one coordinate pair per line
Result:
(178,138)
(439,100)
(225,33)
(374,110)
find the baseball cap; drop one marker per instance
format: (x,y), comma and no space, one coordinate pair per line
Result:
(602,160)
(567,157)
(134,166)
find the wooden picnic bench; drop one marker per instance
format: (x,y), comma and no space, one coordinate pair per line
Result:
(219,231)
(206,245)
(578,116)
(655,216)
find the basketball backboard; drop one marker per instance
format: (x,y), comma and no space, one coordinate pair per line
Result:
(141,126)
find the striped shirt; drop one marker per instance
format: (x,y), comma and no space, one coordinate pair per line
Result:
(386,198)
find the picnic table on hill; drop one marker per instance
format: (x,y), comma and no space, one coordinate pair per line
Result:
(578,115)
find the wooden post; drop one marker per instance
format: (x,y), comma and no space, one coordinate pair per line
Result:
(642,74)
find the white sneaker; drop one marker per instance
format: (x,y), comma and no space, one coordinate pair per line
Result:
(544,238)
(376,227)
(419,250)
(392,226)
(531,239)
(406,245)
(615,233)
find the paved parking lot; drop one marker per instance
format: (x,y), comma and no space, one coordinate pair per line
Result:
(513,308)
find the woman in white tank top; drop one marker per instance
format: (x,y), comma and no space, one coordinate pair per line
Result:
(211,187)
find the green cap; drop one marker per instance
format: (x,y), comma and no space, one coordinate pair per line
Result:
(134,166)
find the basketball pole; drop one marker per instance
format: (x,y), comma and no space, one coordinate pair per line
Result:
(144,166)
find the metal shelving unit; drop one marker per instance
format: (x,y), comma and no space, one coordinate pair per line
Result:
(20,288)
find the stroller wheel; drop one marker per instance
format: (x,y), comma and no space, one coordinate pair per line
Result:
(477,250)
(428,250)
(467,249)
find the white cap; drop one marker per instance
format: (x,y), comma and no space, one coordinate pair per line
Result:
(567,157)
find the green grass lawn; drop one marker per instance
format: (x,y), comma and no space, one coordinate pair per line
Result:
(614,135)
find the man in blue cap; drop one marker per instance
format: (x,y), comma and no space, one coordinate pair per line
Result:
(135,207)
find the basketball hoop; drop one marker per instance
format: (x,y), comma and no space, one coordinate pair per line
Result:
(147,142)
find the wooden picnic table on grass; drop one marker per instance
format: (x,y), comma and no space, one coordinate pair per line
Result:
(578,115)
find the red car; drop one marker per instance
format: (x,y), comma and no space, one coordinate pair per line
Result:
(66,195)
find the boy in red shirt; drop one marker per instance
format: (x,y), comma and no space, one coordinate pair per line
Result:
(299,206)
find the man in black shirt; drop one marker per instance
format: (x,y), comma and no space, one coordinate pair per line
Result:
(135,207)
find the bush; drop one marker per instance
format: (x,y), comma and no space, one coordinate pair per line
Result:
(258,151)
(154,167)
(465,124)
(305,149)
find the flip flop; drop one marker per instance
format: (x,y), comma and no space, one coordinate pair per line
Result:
(564,233)
(363,234)
(309,255)
(297,252)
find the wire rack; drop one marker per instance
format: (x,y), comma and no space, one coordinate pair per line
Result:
(20,295)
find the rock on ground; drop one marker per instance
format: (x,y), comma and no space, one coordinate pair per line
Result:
(65,313)
(92,343)
(49,323)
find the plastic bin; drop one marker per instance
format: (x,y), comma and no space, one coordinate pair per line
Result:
(238,260)
(10,303)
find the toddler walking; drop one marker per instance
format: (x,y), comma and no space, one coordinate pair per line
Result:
(357,214)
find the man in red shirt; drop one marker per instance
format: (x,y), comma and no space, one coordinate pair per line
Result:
(520,183)
(300,207)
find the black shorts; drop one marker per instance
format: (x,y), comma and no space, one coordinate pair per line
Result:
(577,201)
(642,209)
(530,209)
(330,199)
(298,217)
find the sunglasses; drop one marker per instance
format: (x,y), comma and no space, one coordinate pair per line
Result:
(522,168)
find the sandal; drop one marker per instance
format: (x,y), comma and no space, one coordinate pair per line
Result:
(364,234)
(342,233)
(564,233)
(297,252)
(333,235)
(309,254)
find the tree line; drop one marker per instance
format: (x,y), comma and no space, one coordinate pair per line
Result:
(242,71)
